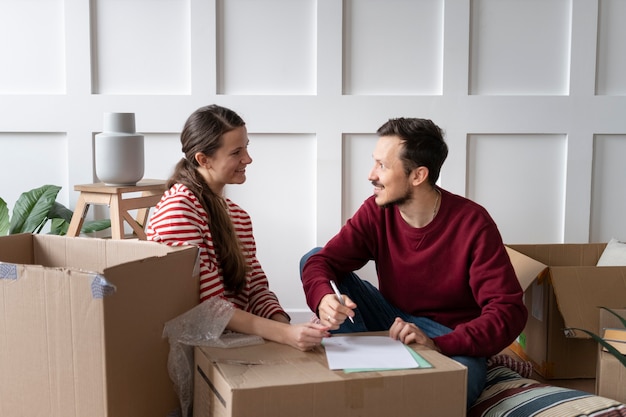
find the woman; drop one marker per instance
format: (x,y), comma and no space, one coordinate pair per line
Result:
(194,211)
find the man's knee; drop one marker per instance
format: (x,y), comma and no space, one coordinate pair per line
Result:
(306,258)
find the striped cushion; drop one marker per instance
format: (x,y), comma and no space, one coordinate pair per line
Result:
(508,394)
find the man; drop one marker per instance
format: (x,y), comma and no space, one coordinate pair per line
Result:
(445,280)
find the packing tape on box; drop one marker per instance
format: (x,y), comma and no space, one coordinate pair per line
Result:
(100,287)
(8,271)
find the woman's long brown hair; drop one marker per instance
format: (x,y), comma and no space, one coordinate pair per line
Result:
(203,132)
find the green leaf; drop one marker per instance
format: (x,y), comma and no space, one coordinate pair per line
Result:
(95,226)
(4,217)
(32,208)
(62,217)
(605,344)
(58,226)
(59,211)
(36,207)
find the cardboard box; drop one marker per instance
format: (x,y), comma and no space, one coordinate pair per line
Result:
(566,294)
(274,380)
(611,376)
(616,338)
(82,321)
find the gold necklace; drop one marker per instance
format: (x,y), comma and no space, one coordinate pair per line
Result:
(436,202)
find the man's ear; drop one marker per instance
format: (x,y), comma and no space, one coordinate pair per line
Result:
(419,175)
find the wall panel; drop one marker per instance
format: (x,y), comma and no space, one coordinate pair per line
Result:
(520,47)
(32,47)
(393,47)
(141,47)
(265,52)
(35,159)
(609,172)
(611,48)
(520,180)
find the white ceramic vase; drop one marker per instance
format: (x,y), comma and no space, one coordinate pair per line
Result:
(119,150)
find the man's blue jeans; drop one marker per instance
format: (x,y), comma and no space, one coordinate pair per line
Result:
(374,313)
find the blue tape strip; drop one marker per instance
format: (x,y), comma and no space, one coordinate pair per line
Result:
(8,271)
(101,288)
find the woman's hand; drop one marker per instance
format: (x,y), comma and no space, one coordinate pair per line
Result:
(306,336)
(409,333)
(300,336)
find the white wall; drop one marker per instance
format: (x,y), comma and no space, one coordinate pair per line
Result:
(531,94)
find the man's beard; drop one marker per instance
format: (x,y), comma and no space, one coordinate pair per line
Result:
(400,200)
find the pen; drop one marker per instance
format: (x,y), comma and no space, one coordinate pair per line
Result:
(339,297)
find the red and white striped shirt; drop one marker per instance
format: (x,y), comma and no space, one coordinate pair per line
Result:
(179,219)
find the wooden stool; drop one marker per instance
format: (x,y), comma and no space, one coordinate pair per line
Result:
(112,195)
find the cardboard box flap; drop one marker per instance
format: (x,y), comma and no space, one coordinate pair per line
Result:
(580,292)
(563,254)
(58,251)
(18,249)
(526,268)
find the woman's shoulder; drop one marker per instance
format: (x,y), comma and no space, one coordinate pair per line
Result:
(179,191)
(235,209)
(232,206)
(179,195)
(237,213)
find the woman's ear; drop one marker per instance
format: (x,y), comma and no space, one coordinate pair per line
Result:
(201,159)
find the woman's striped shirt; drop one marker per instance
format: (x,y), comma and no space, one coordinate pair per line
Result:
(179,219)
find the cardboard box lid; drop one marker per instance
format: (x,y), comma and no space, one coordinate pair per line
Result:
(580,291)
(52,251)
(562,254)
(526,268)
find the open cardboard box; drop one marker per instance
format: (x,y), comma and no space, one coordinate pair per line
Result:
(611,376)
(564,289)
(274,380)
(82,321)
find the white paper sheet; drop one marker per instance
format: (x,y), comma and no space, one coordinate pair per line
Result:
(367,352)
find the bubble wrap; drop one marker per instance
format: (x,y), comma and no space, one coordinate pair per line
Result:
(203,325)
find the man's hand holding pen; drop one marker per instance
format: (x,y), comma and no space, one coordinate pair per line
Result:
(334,309)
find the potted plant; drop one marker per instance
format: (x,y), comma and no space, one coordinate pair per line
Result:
(35,208)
